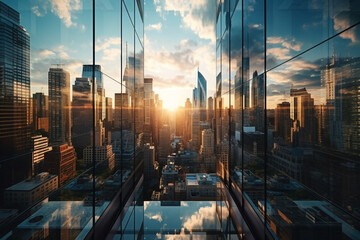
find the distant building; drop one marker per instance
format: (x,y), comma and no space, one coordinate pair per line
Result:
(40,145)
(164,144)
(200,96)
(187,121)
(40,111)
(15,122)
(59,106)
(62,162)
(282,121)
(122,111)
(200,186)
(195,130)
(103,154)
(30,191)
(82,120)
(149,162)
(210,110)
(170,173)
(207,150)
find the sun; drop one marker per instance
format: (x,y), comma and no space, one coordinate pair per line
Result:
(170,105)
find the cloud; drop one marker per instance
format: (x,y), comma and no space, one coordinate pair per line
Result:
(279,53)
(64,9)
(156,27)
(156,216)
(197,220)
(197,16)
(292,44)
(102,44)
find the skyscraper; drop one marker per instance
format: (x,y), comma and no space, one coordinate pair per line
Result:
(302,114)
(81,114)
(100,98)
(59,105)
(210,110)
(14,98)
(187,127)
(195,130)
(164,144)
(200,96)
(122,111)
(40,111)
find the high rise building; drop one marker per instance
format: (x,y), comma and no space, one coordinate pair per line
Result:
(207,150)
(103,154)
(61,161)
(40,111)
(187,124)
(195,130)
(282,121)
(210,110)
(149,162)
(81,113)
(302,114)
(122,111)
(59,105)
(87,72)
(164,144)
(200,96)
(149,96)
(14,98)
(109,110)
(40,146)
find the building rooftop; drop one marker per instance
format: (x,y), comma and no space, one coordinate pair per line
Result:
(195,179)
(31,183)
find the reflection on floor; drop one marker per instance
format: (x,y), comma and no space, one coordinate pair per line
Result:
(178,220)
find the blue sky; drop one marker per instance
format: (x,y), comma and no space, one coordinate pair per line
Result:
(179,38)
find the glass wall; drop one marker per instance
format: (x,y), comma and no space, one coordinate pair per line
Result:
(294,125)
(71,116)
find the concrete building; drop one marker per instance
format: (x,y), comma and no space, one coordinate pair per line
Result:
(149,161)
(30,191)
(164,144)
(200,186)
(61,161)
(169,173)
(40,145)
(103,154)
(207,150)
(210,110)
(122,111)
(195,130)
(59,105)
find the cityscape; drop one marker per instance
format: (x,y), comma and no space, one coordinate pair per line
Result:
(273,136)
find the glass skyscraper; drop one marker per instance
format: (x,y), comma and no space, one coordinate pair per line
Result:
(273,153)
(15,118)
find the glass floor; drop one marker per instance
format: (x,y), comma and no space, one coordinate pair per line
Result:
(177,220)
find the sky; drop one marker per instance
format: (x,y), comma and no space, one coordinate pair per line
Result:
(179,38)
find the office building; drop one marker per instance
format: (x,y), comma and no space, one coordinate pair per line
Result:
(59,105)
(164,144)
(195,130)
(15,122)
(81,113)
(200,186)
(210,110)
(87,72)
(122,111)
(61,161)
(30,191)
(40,111)
(200,96)
(40,146)
(103,155)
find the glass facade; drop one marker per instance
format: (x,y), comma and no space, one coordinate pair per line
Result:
(287,77)
(88,149)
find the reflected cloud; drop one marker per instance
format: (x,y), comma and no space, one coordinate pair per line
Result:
(62,8)
(156,26)
(197,220)
(156,217)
